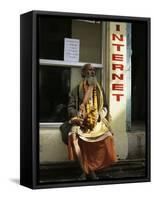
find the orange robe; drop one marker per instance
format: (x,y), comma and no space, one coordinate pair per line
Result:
(94,155)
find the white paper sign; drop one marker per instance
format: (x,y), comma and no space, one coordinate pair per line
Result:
(71,49)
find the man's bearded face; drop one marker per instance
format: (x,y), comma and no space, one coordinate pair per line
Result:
(90,75)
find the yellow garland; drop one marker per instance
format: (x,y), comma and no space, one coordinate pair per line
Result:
(92,110)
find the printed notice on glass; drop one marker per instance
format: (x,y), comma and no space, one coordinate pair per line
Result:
(71,50)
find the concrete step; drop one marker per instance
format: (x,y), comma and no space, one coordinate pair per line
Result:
(71,171)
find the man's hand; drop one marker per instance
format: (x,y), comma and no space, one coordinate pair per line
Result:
(76,121)
(82,107)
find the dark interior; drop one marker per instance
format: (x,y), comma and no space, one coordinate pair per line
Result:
(139,61)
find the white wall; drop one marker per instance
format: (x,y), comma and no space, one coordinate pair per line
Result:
(52,148)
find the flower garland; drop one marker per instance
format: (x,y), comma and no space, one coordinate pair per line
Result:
(91,111)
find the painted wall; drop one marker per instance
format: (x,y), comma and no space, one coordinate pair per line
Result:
(52,148)
(117,46)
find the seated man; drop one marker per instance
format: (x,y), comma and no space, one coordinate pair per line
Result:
(90,139)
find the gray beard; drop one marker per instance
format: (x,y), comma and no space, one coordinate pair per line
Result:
(91,80)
